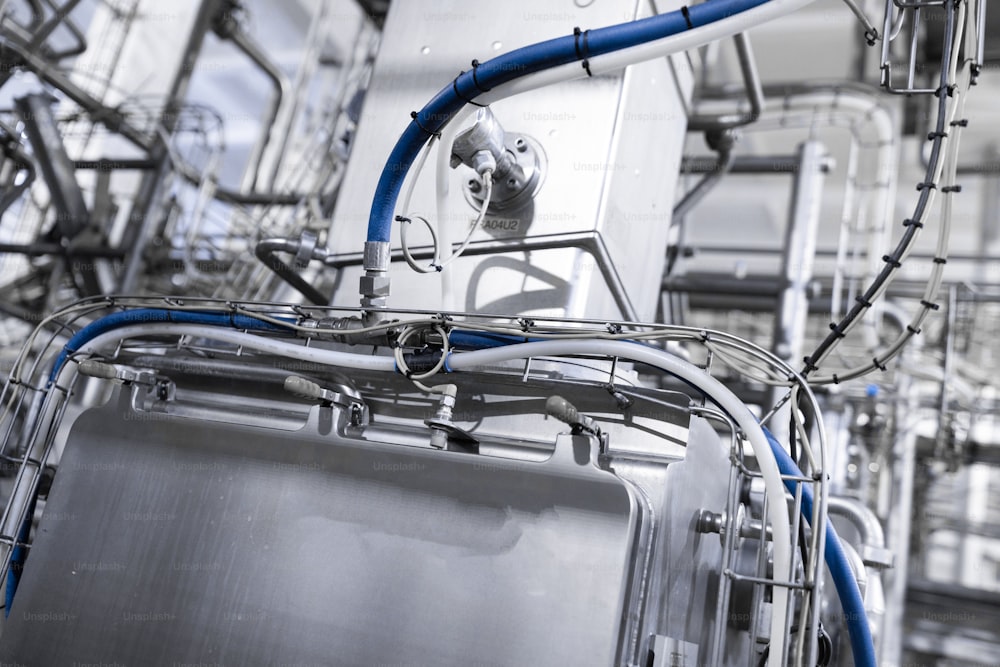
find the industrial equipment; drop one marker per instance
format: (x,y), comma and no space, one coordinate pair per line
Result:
(607,332)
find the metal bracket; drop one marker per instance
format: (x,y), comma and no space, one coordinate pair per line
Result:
(342,396)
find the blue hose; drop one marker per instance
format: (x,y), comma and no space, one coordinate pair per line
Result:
(17,557)
(516,64)
(146,315)
(481,340)
(862,646)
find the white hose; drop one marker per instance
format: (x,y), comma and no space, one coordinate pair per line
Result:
(617,60)
(246,340)
(442,173)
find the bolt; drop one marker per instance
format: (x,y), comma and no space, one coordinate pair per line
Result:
(521,145)
(474,185)
(511,183)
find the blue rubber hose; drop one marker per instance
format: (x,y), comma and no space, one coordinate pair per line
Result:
(514,65)
(147,315)
(853,605)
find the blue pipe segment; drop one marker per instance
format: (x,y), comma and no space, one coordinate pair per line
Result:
(17,558)
(148,315)
(862,645)
(481,340)
(514,65)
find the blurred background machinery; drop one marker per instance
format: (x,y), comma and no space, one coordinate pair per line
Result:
(361,332)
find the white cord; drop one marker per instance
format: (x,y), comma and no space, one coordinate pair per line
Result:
(437,265)
(401,361)
(404,224)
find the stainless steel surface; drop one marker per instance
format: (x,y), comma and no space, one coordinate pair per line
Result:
(236,545)
(596,135)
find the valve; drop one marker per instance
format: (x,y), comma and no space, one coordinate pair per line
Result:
(515,160)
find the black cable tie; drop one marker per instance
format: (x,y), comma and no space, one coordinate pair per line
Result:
(863,301)
(837,330)
(416,119)
(913,223)
(438,268)
(940,260)
(871,36)
(925,185)
(582,51)
(928,305)
(687,17)
(878,364)
(809,365)
(836,380)
(892,261)
(454,87)
(931,136)
(402,218)
(913,330)
(949,89)
(475,81)
(964,122)
(951,188)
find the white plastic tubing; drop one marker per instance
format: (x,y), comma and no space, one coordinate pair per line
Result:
(696,377)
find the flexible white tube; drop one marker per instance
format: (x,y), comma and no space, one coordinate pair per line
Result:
(246,340)
(611,62)
(442,172)
(727,400)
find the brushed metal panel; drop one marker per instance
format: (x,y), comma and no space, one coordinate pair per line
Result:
(612,145)
(175,541)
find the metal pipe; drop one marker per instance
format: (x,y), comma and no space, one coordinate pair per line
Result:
(747,164)
(266,250)
(752,85)
(721,167)
(37,39)
(724,162)
(13,150)
(861,517)
(799,252)
(141,216)
(319,29)
(54,163)
(39,249)
(252,50)
(112,164)
(99,113)
(81,40)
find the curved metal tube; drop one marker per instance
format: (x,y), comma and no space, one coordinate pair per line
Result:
(754,90)
(868,526)
(265,251)
(282,86)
